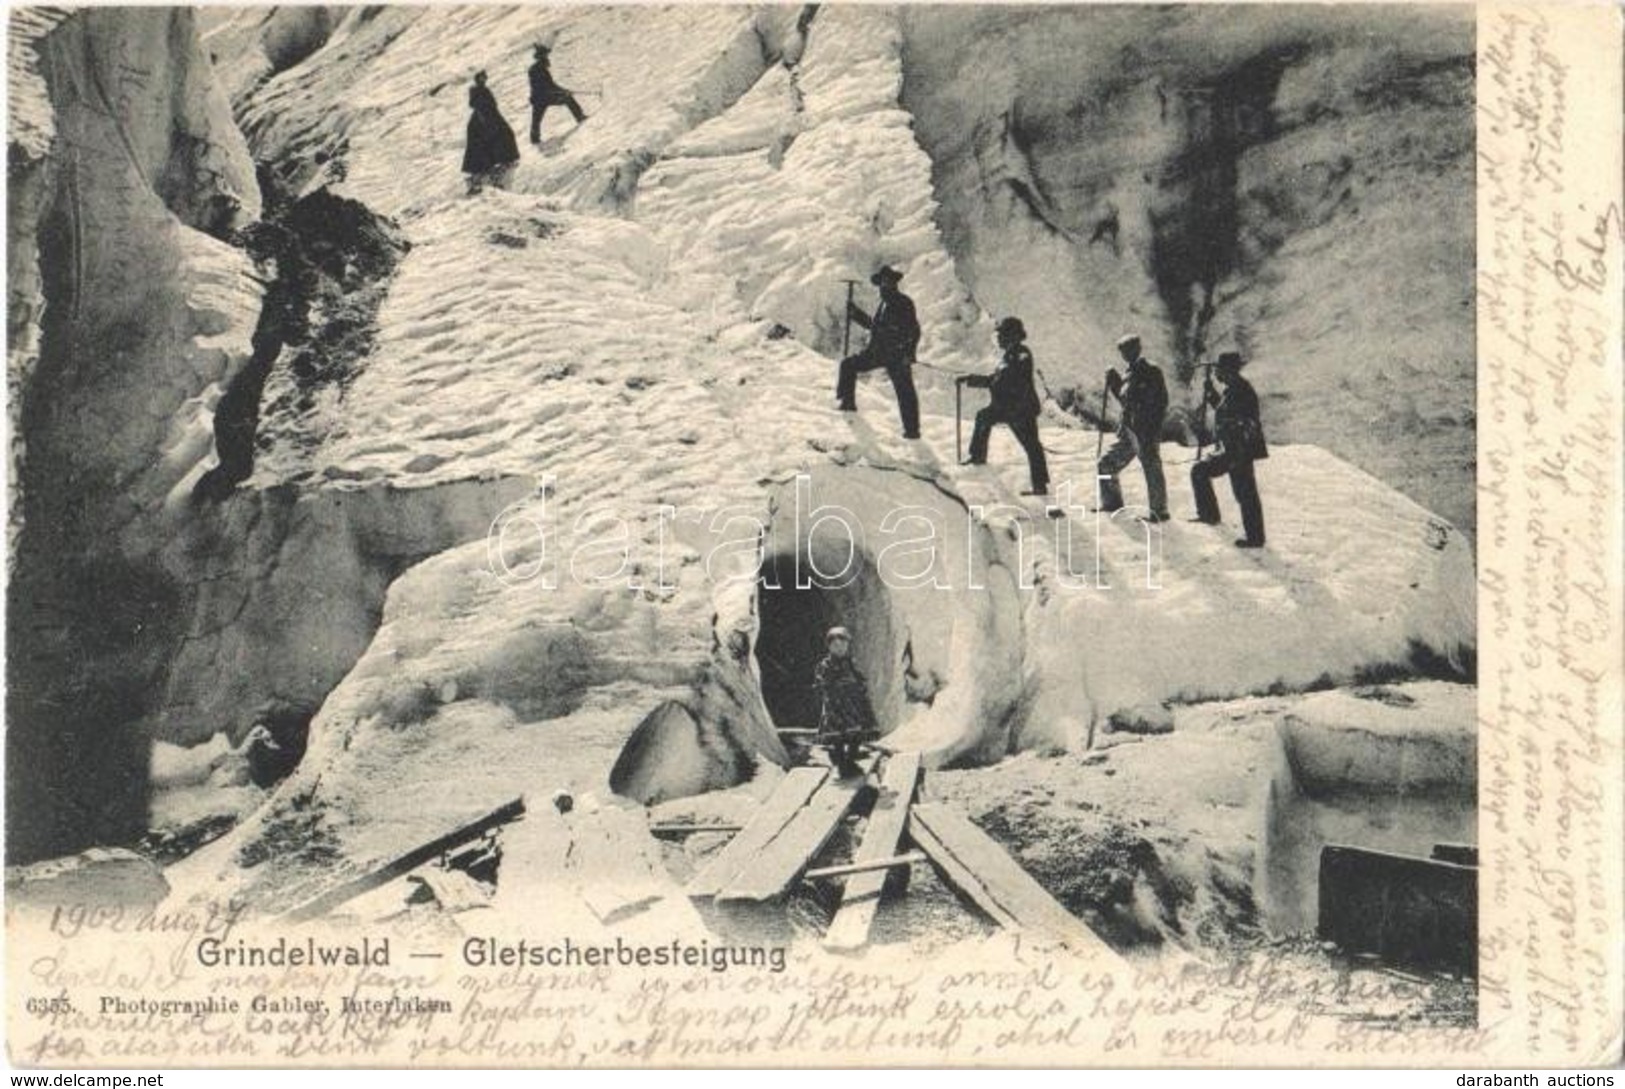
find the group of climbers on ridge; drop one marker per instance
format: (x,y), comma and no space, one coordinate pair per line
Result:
(1142,394)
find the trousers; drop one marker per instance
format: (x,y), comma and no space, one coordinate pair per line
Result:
(1128,447)
(1243,484)
(1025,428)
(556,98)
(901,373)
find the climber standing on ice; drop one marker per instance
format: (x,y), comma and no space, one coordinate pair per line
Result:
(845,719)
(1015,403)
(894,336)
(1144,397)
(491,147)
(1240,433)
(545,92)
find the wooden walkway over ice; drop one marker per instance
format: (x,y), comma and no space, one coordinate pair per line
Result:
(775,851)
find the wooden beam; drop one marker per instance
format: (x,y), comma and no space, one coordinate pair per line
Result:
(781,806)
(883,837)
(957,874)
(775,868)
(376,876)
(853,869)
(980,869)
(670,829)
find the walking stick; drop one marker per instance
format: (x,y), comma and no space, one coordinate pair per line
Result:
(1201,419)
(959,394)
(1100,437)
(846,333)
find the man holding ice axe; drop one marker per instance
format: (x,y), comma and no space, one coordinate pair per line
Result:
(894,336)
(1015,403)
(545,91)
(1144,397)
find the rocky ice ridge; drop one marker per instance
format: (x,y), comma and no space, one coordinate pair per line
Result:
(1296,184)
(597,341)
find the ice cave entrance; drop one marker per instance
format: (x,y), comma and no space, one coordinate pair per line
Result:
(796,607)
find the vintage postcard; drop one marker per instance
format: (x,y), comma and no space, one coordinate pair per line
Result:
(814,535)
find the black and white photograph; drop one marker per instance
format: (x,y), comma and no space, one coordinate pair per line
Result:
(812,535)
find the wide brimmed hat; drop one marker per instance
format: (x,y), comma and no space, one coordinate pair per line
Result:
(1129,340)
(1229,361)
(886,273)
(1013,326)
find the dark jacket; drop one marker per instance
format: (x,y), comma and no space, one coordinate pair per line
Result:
(543,90)
(894,331)
(1236,422)
(1014,395)
(491,141)
(1145,400)
(843,698)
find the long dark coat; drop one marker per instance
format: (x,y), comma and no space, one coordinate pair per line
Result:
(491,141)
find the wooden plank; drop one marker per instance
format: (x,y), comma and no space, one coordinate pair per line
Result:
(376,876)
(941,832)
(883,836)
(773,870)
(957,874)
(779,809)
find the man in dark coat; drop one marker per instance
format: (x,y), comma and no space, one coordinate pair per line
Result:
(491,144)
(1144,397)
(894,335)
(1241,442)
(1015,403)
(545,92)
(845,719)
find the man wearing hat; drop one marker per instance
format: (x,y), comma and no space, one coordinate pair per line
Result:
(1240,433)
(1015,403)
(845,717)
(544,92)
(1144,397)
(894,334)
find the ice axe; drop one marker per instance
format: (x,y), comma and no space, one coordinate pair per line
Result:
(1100,436)
(959,415)
(1201,419)
(846,332)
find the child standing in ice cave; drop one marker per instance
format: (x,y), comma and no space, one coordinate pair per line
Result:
(845,718)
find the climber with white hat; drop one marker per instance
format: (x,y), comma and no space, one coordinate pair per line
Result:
(1144,397)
